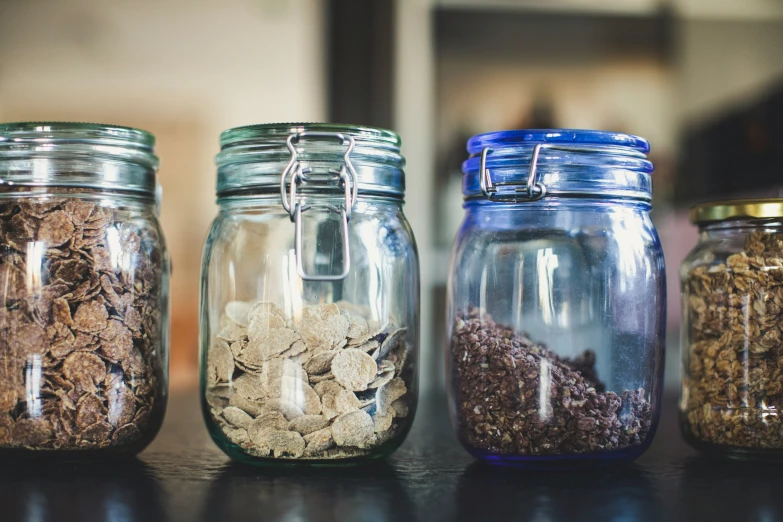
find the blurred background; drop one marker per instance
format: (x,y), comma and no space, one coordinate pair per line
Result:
(701,79)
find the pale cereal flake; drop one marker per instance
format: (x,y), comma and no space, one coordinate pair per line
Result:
(354,369)
(353,429)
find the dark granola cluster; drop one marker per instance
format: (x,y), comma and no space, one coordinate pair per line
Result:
(733,381)
(80,325)
(505,406)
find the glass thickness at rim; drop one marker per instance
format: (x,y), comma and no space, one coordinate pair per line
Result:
(247,133)
(74,132)
(573,137)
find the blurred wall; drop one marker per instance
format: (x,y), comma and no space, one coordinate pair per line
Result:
(722,63)
(183,69)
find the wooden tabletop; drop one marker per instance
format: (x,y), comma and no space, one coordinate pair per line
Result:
(184,477)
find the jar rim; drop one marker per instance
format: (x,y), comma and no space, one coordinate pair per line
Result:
(79,155)
(245,133)
(47,131)
(579,137)
(736,209)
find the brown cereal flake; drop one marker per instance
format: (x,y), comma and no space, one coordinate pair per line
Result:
(84,369)
(125,435)
(121,404)
(89,410)
(61,312)
(97,433)
(31,432)
(91,317)
(117,341)
(27,340)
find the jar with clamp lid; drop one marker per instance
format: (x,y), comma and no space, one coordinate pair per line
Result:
(310,297)
(556,300)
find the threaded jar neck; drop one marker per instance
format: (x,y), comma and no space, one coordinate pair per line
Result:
(78,155)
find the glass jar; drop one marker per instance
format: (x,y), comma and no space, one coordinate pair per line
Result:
(310,296)
(732,355)
(556,300)
(84,284)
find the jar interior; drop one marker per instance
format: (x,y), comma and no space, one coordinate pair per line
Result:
(309,371)
(557,331)
(83,284)
(732,300)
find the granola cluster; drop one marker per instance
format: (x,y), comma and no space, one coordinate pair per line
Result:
(80,325)
(329,386)
(733,381)
(516,397)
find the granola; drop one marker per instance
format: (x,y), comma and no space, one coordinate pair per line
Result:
(330,386)
(733,378)
(499,403)
(80,324)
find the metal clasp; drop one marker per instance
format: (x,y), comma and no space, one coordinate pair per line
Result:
(532,190)
(347,179)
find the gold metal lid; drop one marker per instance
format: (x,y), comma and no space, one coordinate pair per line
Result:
(737,209)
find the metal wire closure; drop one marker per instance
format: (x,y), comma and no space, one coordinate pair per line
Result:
(532,190)
(347,180)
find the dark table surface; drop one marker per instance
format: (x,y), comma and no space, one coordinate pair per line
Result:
(182,476)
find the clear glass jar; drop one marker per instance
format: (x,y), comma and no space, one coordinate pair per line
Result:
(310,297)
(556,300)
(84,285)
(732,355)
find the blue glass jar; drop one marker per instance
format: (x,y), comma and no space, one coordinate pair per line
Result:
(556,300)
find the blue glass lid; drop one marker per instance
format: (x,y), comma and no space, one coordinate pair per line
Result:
(530,164)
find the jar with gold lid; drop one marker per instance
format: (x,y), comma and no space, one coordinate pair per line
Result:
(732,354)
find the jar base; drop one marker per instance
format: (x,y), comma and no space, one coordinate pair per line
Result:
(238,454)
(729,452)
(71,456)
(563,462)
